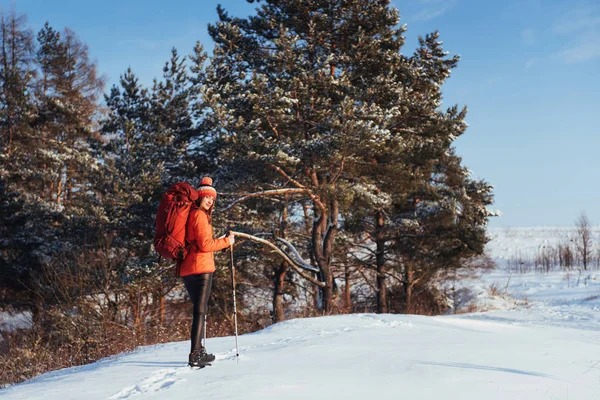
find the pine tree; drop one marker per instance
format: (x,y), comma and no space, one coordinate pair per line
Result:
(319,94)
(201,146)
(16,74)
(297,89)
(145,136)
(67,97)
(49,120)
(132,183)
(18,193)
(172,116)
(425,199)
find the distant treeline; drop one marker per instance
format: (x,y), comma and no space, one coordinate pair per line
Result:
(316,129)
(578,252)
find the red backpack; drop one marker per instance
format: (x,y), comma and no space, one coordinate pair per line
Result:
(171,219)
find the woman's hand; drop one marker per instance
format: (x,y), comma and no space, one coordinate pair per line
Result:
(231,238)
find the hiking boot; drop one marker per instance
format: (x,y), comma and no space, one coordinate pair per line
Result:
(200,358)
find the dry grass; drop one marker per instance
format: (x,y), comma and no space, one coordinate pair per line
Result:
(26,353)
(495,290)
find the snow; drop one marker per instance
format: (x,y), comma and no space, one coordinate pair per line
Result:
(538,337)
(526,242)
(350,356)
(11,321)
(533,299)
(560,298)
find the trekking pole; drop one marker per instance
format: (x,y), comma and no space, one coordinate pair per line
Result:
(204,331)
(237,352)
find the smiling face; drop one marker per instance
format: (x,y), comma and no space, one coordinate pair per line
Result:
(206,203)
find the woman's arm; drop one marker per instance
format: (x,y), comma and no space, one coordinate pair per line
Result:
(204,240)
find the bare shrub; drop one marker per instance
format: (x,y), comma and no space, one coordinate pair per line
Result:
(545,259)
(566,256)
(494,289)
(583,240)
(88,310)
(519,264)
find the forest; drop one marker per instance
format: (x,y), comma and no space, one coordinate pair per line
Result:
(322,134)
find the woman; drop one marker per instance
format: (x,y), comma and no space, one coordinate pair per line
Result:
(199,264)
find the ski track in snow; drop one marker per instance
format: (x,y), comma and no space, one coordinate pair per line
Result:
(164,379)
(158,380)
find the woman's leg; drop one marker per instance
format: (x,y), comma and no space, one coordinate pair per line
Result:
(198,287)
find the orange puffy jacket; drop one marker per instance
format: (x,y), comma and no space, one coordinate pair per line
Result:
(199,236)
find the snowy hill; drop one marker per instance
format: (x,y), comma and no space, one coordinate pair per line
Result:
(353,357)
(538,339)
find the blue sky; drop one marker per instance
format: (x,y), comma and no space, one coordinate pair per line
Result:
(529,75)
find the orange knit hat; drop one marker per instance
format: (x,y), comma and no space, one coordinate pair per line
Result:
(206,188)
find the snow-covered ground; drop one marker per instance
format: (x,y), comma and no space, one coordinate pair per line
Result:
(556,298)
(534,299)
(538,339)
(510,243)
(10,321)
(354,357)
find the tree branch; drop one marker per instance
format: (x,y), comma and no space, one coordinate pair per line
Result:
(264,193)
(284,255)
(285,175)
(334,180)
(297,256)
(313,196)
(367,281)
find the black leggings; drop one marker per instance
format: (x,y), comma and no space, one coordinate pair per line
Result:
(198,287)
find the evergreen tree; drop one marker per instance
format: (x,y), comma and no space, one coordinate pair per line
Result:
(132,166)
(67,102)
(292,89)
(318,93)
(16,75)
(145,138)
(172,119)
(201,145)
(49,118)
(18,193)
(132,178)
(415,224)
(66,99)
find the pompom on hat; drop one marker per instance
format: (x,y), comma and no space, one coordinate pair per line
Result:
(206,188)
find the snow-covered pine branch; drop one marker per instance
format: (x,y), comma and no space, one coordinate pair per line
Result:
(274,192)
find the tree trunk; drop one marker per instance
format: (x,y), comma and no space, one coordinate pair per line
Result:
(408,285)
(136,318)
(380,263)
(279,282)
(347,286)
(281,270)
(162,310)
(10,139)
(68,183)
(58,190)
(323,237)
(328,291)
